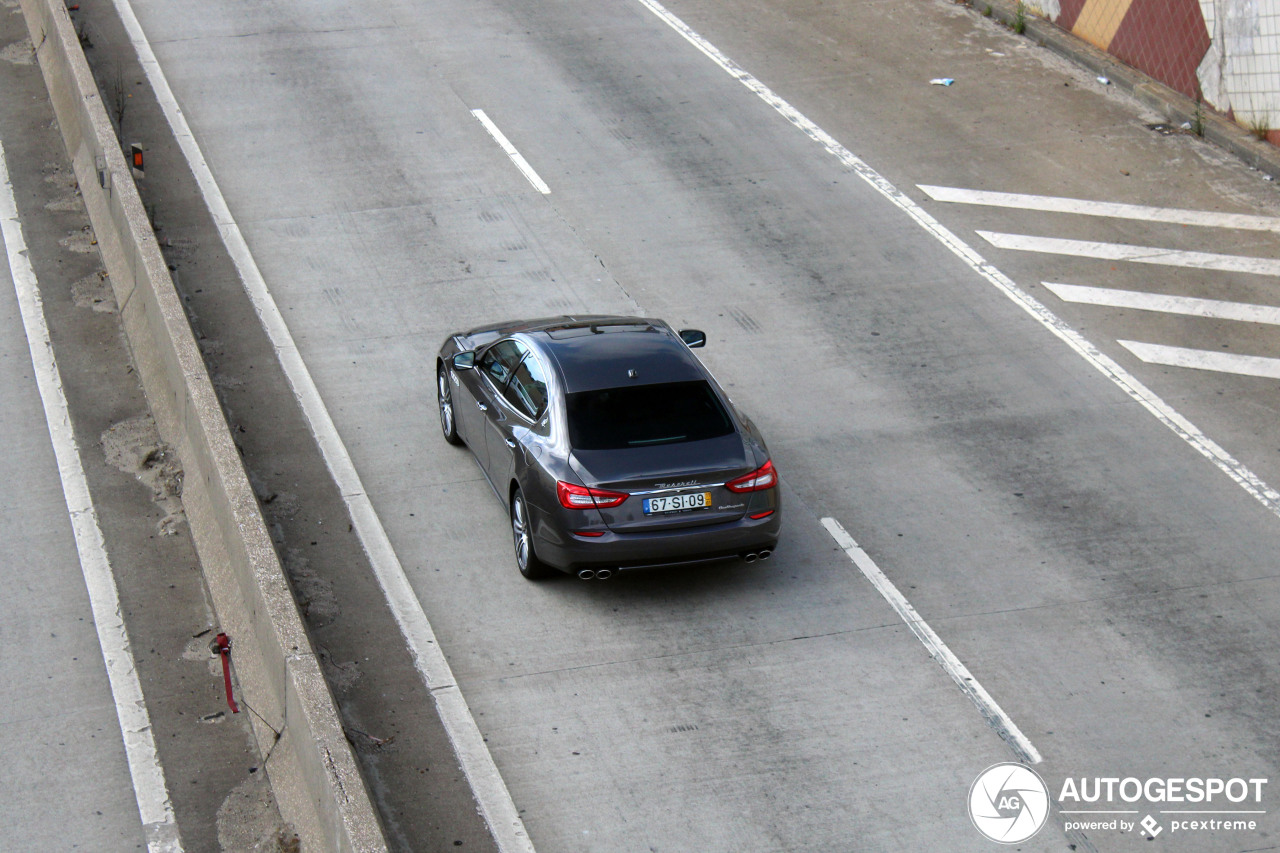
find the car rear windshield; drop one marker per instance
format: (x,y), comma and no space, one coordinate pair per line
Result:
(645,415)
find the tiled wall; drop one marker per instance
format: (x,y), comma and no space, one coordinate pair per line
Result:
(1223,52)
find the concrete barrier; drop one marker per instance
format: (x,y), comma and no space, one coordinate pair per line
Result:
(308,760)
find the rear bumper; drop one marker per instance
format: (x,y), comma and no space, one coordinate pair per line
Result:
(626,551)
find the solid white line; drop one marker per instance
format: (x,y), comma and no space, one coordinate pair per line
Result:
(160,827)
(1112,210)
(1215,309)
(1134,254)
(938,650)
(492,796)
(1186,430)
(1198,359)
(521,163)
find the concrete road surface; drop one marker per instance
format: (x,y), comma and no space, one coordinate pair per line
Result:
(1049,478)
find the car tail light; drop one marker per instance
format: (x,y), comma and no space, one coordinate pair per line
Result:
(580,497)
(758,480)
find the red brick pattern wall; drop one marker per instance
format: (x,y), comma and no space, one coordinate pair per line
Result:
(1168,40)
(1165,39)
(1070,12)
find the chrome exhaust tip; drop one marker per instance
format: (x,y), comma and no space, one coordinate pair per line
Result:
(765,554)
(749,558)
(586,574)
(604,574)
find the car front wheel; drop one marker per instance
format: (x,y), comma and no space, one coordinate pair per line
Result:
(444,396)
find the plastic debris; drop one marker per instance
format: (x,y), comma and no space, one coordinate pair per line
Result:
(942,81)
(1104,81)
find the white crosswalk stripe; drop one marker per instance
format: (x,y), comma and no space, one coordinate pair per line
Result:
(1112,210)
(1215,309)
(1190,306)
(1197,359)
(1134,254)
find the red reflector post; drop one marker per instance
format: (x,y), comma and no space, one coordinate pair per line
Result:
(223,644)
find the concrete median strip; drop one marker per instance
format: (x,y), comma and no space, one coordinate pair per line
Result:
(149,786)
(310,764)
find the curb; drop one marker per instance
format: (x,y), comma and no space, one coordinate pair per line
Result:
(1176,107)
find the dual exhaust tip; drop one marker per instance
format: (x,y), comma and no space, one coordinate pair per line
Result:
(762,554)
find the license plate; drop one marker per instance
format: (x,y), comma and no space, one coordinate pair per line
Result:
(677,503)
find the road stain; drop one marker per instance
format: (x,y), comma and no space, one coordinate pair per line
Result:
(64,182)
(314,594)
(19,53)
(94,292)
(82,242)
(134,447)
(249,822)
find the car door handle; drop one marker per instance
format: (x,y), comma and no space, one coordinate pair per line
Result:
(511,442)
(482,406)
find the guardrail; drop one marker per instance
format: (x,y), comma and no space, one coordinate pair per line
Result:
(309,762)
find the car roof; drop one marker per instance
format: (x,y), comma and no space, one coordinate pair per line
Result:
(493,331)
(609,352)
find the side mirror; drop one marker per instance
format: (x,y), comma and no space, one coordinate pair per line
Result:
(465,360)
(693,338)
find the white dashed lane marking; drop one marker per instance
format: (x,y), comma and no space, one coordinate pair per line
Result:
(516,157)
(960,674)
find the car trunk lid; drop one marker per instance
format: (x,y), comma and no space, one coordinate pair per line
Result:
(665,482)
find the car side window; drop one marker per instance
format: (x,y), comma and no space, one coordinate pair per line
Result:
(500,360)
(528,388)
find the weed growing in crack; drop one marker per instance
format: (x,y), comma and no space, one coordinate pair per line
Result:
(1260,126)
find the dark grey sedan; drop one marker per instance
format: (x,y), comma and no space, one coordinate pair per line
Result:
(610,445)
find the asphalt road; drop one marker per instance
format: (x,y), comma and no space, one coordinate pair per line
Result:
(1112,589)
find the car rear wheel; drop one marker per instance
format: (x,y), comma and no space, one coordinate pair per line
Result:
(522,536)
(444,396)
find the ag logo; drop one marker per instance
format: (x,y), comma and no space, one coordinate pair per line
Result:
(1008,803)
